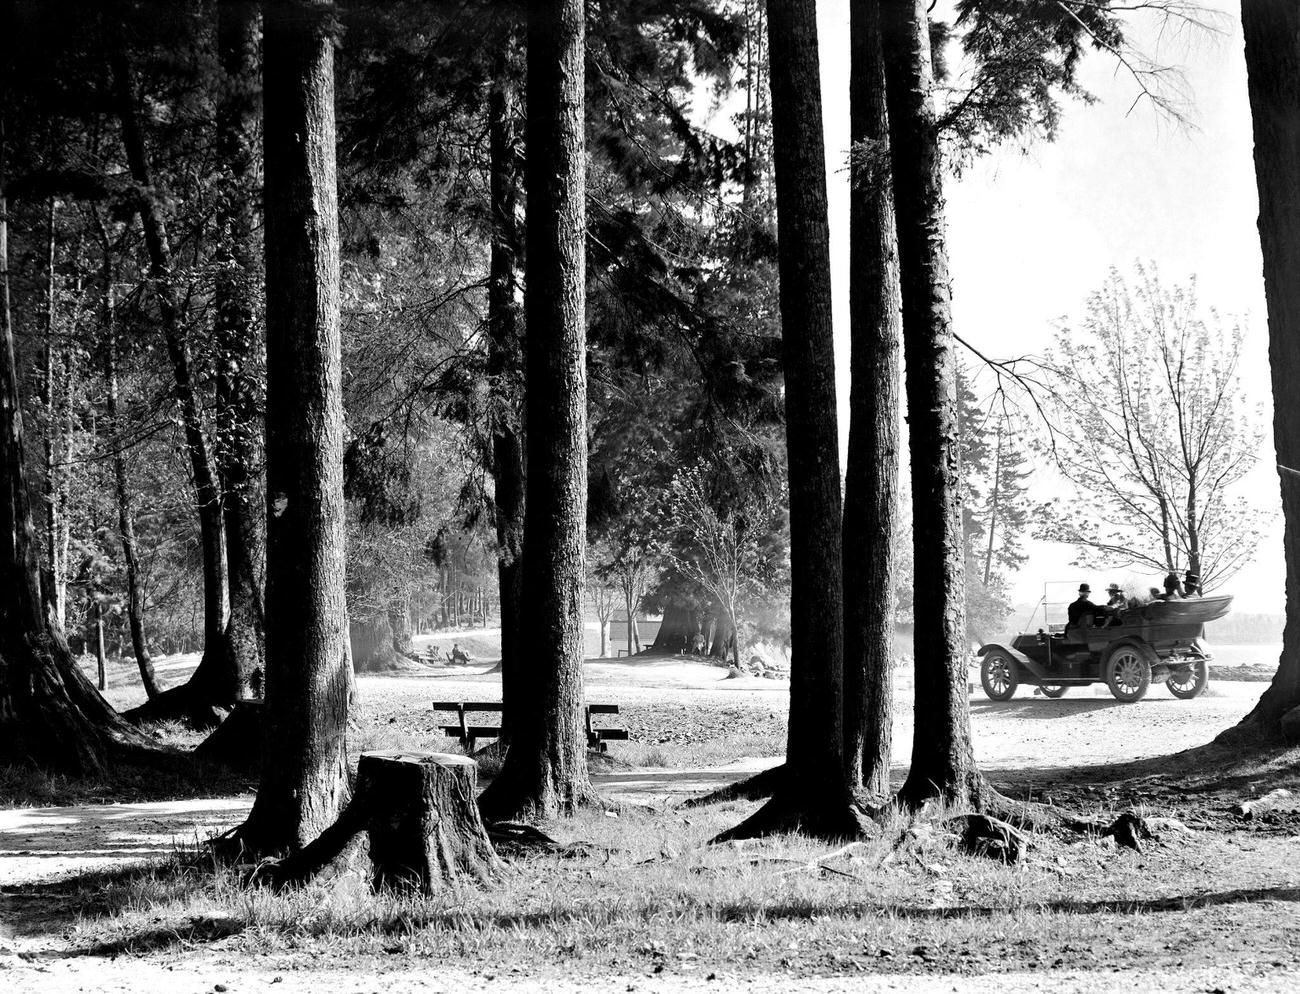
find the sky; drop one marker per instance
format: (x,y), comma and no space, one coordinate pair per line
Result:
(1031,235)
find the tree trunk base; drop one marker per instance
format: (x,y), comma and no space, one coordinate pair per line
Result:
(183,704)
(418,810)
(237,742)
(755,788)
(790,812)
(510,798)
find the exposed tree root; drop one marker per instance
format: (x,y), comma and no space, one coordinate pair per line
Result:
(184,704)
(514,797)
(819,819)
(237,742)
(759,786)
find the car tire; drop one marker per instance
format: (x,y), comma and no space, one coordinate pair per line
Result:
(1128,672)
(1054,690)
(1000,675)
(1185,690)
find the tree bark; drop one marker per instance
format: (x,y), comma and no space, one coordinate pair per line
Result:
(1272,29)
(371,639)
(814,797)
(505,359)
(545,769)
(54,592)
(871,476)
(399,619)
(675,630)
(304,783)
(424,828)
(215,682)
(125,519)
(50,715)
(943,762)
(240,426)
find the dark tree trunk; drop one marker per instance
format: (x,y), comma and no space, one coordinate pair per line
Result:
(943,763)
(721,635)
(215,682)
(240,347)
(813,797)
(871,477)
(505,360)
(304,784)
(676,629)
(371,639)
(50,715)
(1272,29)
(125,519)
(545,769)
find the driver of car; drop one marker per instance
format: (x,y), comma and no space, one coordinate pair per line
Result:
(1082,608)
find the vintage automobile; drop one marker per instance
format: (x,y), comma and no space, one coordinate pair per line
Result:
(1162,641)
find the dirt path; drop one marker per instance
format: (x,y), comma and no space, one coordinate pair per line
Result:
(202,973)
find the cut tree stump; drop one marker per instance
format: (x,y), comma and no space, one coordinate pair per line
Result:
(424,824)
(420,812)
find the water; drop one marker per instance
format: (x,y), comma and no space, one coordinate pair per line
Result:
(1226,654)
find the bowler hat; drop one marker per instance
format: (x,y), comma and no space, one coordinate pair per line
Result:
(1084,588)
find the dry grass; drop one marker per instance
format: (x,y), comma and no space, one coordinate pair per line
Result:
(654,896)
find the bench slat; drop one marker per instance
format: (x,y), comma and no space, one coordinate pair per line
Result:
(603,708)
(472,731)
(466,705)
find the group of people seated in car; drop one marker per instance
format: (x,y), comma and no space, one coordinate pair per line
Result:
(1111,613)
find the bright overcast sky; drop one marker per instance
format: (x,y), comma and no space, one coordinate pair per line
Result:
(1030,236)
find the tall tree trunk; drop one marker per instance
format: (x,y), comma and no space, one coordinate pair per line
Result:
(371,639)
(304,783)
(505,368)
(239,420)
(994,507)
(101,670)
(545,769)
(943,762)
(871,477)
(813,796)
(1272,29)
(215,682)
(50,715)
(399,619)
(675,630)
(125,519)
(54,590)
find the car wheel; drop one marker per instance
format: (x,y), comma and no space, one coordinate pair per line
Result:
(1054,691)
(1189,681)
(1128,673)
(999,675)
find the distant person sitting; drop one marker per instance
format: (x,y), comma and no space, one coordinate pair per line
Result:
(458,656)
(1083,608)
(1173,589)
(1191,584)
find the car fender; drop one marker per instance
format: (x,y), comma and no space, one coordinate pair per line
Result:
(1141,645)
(1026,664)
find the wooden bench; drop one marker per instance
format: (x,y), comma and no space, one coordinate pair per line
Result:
(470,734)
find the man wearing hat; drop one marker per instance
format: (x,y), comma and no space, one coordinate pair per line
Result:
(1117,602)
(1081,608)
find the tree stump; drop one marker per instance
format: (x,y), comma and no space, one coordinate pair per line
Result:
(424,823)
(421,814)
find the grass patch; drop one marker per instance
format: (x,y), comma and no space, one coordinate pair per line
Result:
(653,898)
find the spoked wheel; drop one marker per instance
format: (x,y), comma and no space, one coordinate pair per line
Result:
(1128,673)
(999,675)
(1053,691)
(1189,681)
